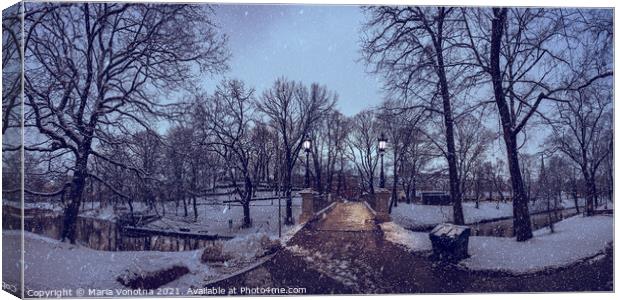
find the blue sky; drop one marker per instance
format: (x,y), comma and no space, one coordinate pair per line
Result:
(308,43)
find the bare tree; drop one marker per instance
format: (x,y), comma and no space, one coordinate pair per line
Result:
(328,143)
(401,126)
(293,110)
(582,131)
(11,103)
(231,121)
(415,48)
(95,70)
(11,67)
(525,53)
(472,141)
(419,153)
(545,188)
(363,148)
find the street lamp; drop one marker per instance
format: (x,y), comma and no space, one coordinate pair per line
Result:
(382,146)
(307,143)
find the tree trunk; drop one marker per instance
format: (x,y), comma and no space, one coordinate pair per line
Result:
(185,212)
(521,224)
(289,200)
(574,192)
(549,219)
(591,190)
(75,197)
(195,206)
(247,221)
(317,173)
(394,186)
(455,193)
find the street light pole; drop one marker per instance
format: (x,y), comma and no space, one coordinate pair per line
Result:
(382,176)
(307,168)
(307,145)
(382,146)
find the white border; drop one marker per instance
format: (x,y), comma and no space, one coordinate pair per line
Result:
(537,3)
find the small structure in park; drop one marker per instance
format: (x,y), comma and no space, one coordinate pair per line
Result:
(450,242)
(436,198)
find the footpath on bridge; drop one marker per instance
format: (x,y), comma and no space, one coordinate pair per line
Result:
(344,252)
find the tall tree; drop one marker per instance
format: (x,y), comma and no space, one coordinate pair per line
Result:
(414,47)
(293,109)
(526,53)
(11,66)
(97,69)
(363,148)
(232,122)
(582,130)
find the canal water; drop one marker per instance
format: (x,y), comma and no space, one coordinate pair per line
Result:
(504,228)
(101,234)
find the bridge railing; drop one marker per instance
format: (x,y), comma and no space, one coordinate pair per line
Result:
(379,202)
(313,202)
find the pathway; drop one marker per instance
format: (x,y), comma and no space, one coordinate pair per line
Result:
(345,252)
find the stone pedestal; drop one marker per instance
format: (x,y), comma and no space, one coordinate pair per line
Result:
(382,205)
(307,204)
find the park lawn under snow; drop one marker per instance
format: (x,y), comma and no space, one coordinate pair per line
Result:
(214,219)
(51,264)
(575,238)
(419,216)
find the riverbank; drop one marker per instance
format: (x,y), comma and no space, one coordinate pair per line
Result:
(420,217)
(574,239)
(50,264)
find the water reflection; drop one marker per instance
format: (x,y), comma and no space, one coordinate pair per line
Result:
(100,234)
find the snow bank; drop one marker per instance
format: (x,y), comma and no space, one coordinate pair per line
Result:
(412,240)
(575,238)
(51,264)
(249,247)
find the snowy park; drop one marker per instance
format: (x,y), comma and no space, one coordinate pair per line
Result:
(175,149)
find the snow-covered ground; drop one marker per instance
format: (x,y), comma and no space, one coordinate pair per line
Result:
(51,264)
(422,216)
(575,238)
(418,215)
(412,240)
(214,217)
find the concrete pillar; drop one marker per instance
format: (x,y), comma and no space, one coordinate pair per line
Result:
(382,204)
(307,204)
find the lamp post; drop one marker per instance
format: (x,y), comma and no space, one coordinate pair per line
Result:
(307,143)
(382,146)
